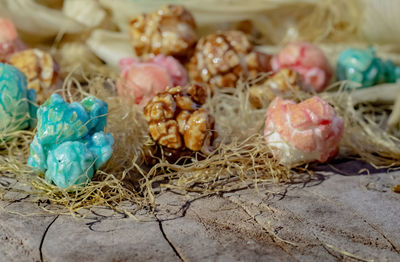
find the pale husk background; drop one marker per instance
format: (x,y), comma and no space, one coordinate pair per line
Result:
(89,37)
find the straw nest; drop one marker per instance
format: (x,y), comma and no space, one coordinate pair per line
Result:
(240,158)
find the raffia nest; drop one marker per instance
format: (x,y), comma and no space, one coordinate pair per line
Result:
(241,157)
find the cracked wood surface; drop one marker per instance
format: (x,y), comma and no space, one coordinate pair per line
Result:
(335,217)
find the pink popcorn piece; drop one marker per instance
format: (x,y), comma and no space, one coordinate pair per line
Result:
(9,41)
(308,60)
(177,72)
(141,81)
(304,132)
(8,31)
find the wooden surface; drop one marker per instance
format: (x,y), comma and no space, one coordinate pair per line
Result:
(342,216)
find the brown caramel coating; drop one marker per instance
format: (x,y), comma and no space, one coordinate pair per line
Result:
(177,121)
(196,129)
(247,27)
(284,81)
(168,31)
(221,59)
(39,69)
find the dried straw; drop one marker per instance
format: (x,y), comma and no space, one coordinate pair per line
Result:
(240,159)
(111,185)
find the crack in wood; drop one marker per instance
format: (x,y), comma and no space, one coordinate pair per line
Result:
(99,218)
(44,236)
(17,200)
(160,224)
(184,208)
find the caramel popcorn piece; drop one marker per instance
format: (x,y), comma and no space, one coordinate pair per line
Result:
(281,83)
(221,59)
(178,122)
(168,31)
(39,69)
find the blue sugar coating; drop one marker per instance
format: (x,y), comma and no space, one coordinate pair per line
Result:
(17,102)
(101,145)
(365,68)
(70,143)
(32,107)
(38,156)
(71,163)
(59,121)
(97,112)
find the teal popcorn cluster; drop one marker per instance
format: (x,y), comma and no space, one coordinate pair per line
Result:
(17,102)
(365,68)
(70,143)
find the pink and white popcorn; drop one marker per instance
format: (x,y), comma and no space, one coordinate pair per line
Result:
(141,81)
(304,132)
(9,41)
(308,60)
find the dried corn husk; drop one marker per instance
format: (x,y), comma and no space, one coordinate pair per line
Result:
(88,12)
(78,59)
(380,20)
(37,20)
(110,46)
(379,94)
(278,21)
(394,119)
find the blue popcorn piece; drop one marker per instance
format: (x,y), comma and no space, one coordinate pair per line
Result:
(71,163)
(70,143)
(365,68)
(37,158)
(17,102)
(97,113)
(32,95)
(59,121)
(101,145)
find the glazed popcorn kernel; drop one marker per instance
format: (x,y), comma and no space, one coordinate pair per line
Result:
(221,59)
(304,132)
(39,69)
(140,81)
(308,60)
(177,120)
(279,84)
(168,31)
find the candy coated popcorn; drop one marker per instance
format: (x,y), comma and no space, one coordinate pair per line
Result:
(365,68)
(141,81)
(304,132)
(223,58)
(282,83)
(8,31)
(71,163)
(40,70)
(70,144)
(179,123)
(17,102)
(170,30)
(308,60)
(9,41)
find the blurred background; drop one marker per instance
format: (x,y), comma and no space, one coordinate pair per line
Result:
(99,29)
